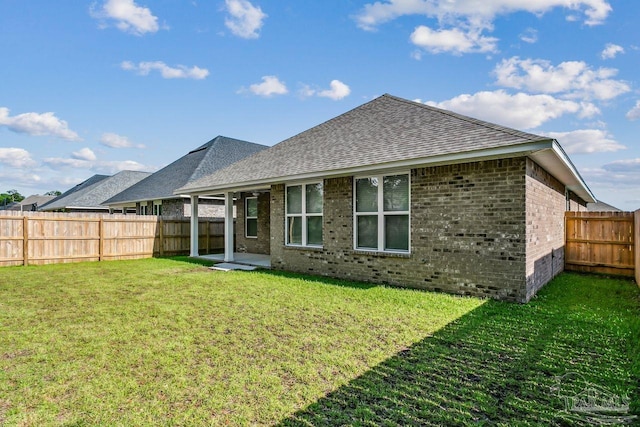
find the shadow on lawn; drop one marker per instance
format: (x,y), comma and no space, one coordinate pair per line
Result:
(319,279)
(502,363)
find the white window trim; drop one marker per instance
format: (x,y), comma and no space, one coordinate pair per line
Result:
(303,215)
(247,217)
(157,207)
(380,214)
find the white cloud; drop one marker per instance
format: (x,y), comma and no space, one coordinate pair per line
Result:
(455,41)
(113,140)
(520,110)
(270,86)
(573,79)
(624,166)
(245,20)
(38,124)
(474,11)
(529,35)
(337,91)
(84,154)
(97,166)
(129,17)
(611,50)
(306,91)
(16,158)
(634,113)
(586,141)
(178,72)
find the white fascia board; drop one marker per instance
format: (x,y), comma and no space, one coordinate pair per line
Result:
(84,207)
(128,202)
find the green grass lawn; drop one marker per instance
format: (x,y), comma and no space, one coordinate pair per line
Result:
(168,342)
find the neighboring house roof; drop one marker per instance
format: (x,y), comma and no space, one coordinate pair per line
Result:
(10,207)
(386,133)
(28,203)
(600,206)
(95,190)
(204,160)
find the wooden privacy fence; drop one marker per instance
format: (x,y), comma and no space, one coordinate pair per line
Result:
(47,238)
(603,242)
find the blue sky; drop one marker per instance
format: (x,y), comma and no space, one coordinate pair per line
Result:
(98,87)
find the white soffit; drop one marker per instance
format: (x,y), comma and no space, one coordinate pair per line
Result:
(556,162)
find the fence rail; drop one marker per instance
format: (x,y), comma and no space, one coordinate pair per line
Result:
(603,242)
(46,238)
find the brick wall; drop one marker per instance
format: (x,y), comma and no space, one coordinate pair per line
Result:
(259,245)
(546,204)
(576,204)
(207,208)
(468,233)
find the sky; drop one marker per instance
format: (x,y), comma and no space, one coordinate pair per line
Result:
(96,87)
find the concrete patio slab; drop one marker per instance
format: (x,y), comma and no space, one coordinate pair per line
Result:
(228,266)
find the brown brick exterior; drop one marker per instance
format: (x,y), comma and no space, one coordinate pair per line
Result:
(467,233)
(546,204)
(181,208)
(259,245)
(492,229)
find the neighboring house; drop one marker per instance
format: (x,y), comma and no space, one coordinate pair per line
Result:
(600,206)
(89,195)
(155,194)
(401,193)
(30,203)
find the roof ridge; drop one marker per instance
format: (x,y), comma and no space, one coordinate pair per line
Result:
(489,125)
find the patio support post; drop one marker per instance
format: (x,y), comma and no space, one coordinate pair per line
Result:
(228,226)
(194,226)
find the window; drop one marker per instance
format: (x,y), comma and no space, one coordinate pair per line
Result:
(157,207)
(251,217)
(143,209)
(304,215)
(382,213)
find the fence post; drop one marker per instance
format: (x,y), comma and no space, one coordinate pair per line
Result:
(100,239)
(25,240)
(636,238)
(161,237)
(208,236)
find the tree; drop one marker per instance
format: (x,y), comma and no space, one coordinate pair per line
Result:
(53,193)
(10,197)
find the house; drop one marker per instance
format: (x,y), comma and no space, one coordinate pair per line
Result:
(30,203)
(400,193)
(155,193)
(600,206)
(89,195)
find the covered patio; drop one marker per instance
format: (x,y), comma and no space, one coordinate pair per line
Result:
(246,236)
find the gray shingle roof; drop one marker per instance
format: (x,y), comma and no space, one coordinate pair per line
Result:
(387,129)
(95,190)
(601,206)
(38,199)
(27,203)
(204,160)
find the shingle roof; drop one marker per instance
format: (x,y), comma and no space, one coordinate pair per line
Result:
(95,190)
(204,160)
(27,203)
(387,129)
(601,206)
(38,199)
